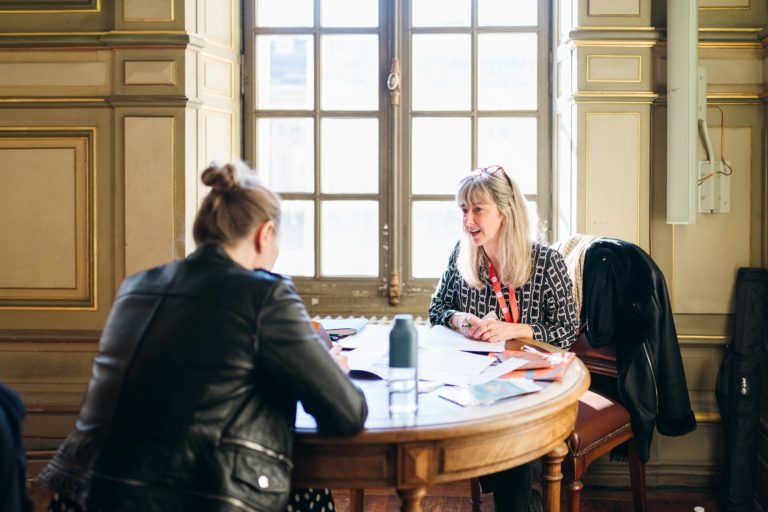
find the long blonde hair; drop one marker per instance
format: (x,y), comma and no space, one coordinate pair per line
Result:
(487,186)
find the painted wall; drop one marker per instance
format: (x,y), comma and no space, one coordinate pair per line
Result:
(610,158)
(108,112)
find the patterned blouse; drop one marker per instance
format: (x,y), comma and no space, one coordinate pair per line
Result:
(545,301)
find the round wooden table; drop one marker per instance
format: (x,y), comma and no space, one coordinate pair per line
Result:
(447,442)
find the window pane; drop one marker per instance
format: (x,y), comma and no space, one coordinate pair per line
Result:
(350,72)
(440,154)
(510,142)
(297,240)
(507,12)
(285,72)
(343,13)
(537,229)
(285,13)
(286,154)
(436,229)
(350,155)
(441,72)
(441,13)
(350,242)
(506,71)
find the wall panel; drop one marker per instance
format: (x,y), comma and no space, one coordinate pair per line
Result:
(218,21)
(148,10)
(47,6)
(219,133)
(149,192)
(218,77)
(614,68)
(708,254)
(613,7)
(149,72)
(612,175)
(46,204)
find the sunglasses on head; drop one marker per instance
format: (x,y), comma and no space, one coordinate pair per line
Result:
(492,170)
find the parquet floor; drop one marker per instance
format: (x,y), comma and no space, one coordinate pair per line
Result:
(455,498)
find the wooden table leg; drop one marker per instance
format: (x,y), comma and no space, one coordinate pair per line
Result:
(553,475)
(411,499)
(356,500)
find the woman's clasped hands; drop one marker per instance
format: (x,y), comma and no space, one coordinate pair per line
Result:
(489,328)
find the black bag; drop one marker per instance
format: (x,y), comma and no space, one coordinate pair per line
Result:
(739,386)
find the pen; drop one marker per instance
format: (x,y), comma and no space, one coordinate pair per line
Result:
(529,349)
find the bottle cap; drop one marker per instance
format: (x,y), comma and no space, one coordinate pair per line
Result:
(698,508)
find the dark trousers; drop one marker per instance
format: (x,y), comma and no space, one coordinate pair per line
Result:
(511,488)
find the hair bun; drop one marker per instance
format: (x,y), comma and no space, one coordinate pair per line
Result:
(221,179)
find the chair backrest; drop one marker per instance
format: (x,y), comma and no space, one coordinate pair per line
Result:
(598,360)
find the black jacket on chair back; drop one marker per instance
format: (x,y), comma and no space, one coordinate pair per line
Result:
(626,303)
(192,401)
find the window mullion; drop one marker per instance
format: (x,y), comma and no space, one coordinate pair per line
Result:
(316,141)
(397,183)
(473,85)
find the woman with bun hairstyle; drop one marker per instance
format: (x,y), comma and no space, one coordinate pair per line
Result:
(192,401)
(502,285)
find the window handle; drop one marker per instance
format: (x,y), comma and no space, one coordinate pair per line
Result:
(393,82)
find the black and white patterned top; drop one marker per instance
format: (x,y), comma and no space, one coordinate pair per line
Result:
(545,301)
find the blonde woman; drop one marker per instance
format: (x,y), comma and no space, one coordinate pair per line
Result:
(497,268)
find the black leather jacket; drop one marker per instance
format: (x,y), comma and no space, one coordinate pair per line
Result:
(13,458)
(626,303)
(192,401)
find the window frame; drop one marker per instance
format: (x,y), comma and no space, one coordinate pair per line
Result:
(343,295)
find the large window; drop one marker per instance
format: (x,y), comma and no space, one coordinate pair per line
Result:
(364,115)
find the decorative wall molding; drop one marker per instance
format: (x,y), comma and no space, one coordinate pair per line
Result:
(149,72)
(49,6)
(724,5)
(148,10)
(98,39)
(618,214)
(613,8)
(150,204)
(48,243)
(614,68)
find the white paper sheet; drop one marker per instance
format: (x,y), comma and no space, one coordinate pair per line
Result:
(437,365)
(451,366)
(440,336)
(494,372)
(372,335)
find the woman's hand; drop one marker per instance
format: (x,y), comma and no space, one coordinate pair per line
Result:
(340,359)
(495,330)
(463,322)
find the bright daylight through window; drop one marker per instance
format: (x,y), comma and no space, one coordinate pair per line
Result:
(368,182)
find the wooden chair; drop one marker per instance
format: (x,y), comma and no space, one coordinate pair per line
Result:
(602,424)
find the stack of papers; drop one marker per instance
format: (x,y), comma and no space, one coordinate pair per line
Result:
(445,356)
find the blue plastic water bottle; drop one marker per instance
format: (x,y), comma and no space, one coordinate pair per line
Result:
(403,364)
